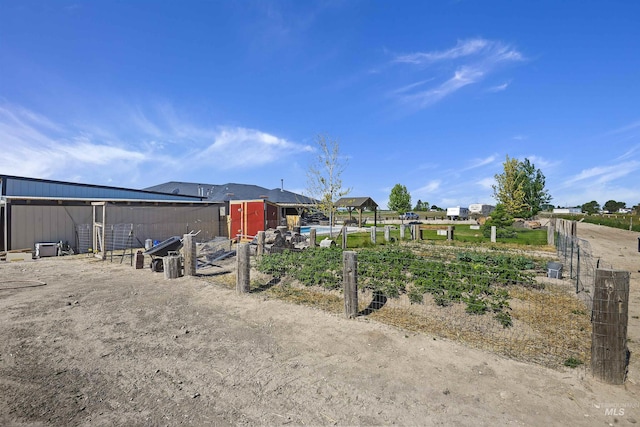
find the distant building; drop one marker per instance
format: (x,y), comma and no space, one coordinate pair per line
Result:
(481,209)
(567,210)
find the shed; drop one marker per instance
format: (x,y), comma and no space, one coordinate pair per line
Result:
(359,204)
(247,217)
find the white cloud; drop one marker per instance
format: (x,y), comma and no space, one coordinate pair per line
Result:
(472,60)
(476,163)
(427,189)
(462,48)
(487,183)
(603,174)
(241,147)
(137,146)
(499,88)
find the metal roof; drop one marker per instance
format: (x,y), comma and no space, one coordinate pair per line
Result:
(356,202)
(17,186)
(233,191)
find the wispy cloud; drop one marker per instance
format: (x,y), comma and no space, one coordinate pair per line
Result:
(33,145)
(630,152)
(499,88)
(428,189)
(462,48)
(472,60)
(477,163)
(604,174)
(486,183)
(627,128)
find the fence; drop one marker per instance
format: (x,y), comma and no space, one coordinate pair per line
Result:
(579,263)
(490,299)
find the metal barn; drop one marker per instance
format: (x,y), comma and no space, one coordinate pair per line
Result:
(36,211)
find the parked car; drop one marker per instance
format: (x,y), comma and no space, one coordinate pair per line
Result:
(410,215)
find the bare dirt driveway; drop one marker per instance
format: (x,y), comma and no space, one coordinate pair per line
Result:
(104,344)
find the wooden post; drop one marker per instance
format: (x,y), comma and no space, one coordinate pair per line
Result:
(190,257)
(344,237)
(350,283)
(387,233)
(171,265)
(551,232)
(609,353)
(260,248)
(415,231)
(493,234)
(242,278)
(402,232)
(373,234)
(450,230)
(312,238)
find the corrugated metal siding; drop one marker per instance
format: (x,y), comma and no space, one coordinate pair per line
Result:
(31,224)
(162,222)
(34,188)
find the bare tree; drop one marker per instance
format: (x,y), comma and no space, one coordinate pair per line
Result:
(324,182)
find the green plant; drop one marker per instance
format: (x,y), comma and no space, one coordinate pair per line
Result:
(572,362)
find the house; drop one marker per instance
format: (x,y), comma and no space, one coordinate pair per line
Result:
(247,208)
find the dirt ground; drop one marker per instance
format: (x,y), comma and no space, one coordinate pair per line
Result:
(104,344)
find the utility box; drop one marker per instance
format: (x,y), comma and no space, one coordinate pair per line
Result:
(46,249)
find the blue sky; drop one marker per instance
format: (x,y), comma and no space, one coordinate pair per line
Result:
(431,95)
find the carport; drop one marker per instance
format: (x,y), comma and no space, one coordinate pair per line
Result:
(359,204)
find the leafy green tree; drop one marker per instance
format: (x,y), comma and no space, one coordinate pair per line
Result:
(612,206)
(501,219)
(399,199)
(324,182)
(520,188)
(591,207)
(421,206)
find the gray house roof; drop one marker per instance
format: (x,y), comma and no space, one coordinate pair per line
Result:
(232,191)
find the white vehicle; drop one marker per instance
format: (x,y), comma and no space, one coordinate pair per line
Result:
(481,209)
(457,213)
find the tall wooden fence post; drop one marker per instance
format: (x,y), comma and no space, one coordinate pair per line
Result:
(350,283)
(344,237)
(402,232)
(551,232)
(260,247)
(415,232)
(450,231)
(190,257)
(244,264)
(609,353)
(387,233)
(373,234)
(493,234)
(312,238)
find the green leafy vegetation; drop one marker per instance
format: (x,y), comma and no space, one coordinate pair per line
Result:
(572,362)
(479,280)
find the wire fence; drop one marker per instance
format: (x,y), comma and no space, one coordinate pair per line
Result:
(578,261)
(493,300)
